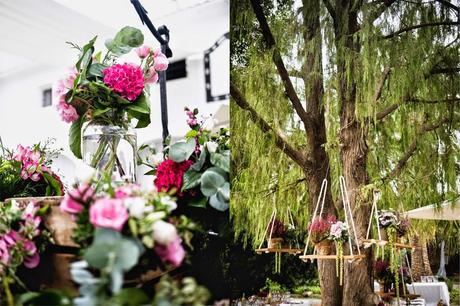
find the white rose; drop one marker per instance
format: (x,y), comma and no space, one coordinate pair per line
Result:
(211,146)
(136,207)
(164,232)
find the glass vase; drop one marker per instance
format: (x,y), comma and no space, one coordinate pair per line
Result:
(110,148)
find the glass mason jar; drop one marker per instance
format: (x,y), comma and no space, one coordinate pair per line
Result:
(112,148)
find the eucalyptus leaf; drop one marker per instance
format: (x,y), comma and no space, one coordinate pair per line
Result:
(211,180)
(221,160)
(201,202)
(96,70)
(181,151)
(217,204)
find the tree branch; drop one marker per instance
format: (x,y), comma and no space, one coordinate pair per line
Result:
(413,147)
(378,90)
(430,24)
(270,41)
(331,10)
(296,155)
(449,4)
(379,11)
(387,111)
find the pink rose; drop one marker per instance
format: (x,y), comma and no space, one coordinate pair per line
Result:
(160,62)
(151,76)
(143,51)
(74,199)
(172,253)
(67,112)
(108,213)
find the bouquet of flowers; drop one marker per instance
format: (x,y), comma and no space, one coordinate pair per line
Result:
(116,225)
(339,234)
(22,238)
(26,172)
(393,222)
(99,89)
(197,168)
(320,228)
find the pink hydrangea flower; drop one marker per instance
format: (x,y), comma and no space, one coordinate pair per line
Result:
(160,62)
(64,85)
(151,76)
(172,253)
(143,51)
(67,112)
(125,79)
(108,213)
(72,202)
(337,229)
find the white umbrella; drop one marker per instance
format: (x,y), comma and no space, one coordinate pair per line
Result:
(449,210)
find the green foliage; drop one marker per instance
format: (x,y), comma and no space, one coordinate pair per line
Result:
(181,151)
(265,177)
(126,39)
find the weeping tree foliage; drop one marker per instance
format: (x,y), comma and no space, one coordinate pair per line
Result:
(365,89)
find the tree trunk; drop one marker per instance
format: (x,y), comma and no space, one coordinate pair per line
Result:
(316,137)
(420,263)
(358,275)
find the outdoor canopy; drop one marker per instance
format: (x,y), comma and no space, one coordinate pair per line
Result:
(448,210)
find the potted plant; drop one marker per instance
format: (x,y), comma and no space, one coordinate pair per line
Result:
(275,233)
(319,231)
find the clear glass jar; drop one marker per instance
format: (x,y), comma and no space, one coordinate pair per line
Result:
(109,147)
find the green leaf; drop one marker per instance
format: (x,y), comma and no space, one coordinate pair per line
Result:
(100,111)
(56,187)
(221,160)
(151,172)
(86,54)
(201,202)
(116,49)
(75,136)
(211,180)
(129,36)
(191,133)
(224,192)
(200,162)
(216,203)
(191,179)
(181,151)
(96,70)
(141,105)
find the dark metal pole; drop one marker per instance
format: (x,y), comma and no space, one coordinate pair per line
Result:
(162,36)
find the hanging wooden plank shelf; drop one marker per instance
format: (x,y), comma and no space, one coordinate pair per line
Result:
(306,258)
(279,250)
(385,242)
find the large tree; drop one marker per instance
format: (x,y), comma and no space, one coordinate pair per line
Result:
(364,89)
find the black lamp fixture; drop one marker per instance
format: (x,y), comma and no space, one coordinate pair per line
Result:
(162,36)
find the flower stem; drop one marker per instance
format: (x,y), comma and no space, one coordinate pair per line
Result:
(9,295)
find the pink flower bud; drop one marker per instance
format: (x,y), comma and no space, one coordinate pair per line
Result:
(143,51)
(160,62)
(152,76)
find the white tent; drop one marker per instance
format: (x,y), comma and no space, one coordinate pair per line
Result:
(449,210)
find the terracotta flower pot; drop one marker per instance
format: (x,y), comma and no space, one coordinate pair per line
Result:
(274,243)
(324,247)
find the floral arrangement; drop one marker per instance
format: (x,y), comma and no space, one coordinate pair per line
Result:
(22,238)
(197,168)
(99,88)
(386,276)
(393,222)
(26,172)
(116,226)
(277,229)
(339,234)
(320,228)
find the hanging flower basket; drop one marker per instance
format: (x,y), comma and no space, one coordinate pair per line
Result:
(339,233)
